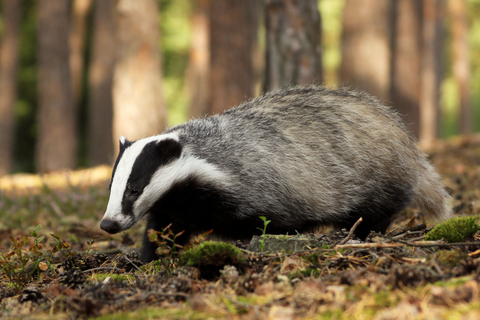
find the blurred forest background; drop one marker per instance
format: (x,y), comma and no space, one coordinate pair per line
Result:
(75,75)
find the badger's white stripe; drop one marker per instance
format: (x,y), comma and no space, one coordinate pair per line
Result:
(179,170)
(119,183)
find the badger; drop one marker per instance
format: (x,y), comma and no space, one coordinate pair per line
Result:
(302,157)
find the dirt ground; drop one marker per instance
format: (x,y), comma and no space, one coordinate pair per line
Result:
(80,272)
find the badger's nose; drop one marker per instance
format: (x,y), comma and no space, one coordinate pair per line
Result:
(109,226)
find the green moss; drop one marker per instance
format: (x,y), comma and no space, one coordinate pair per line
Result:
(313,258)
(210,257)
(211,252)
(306,273)
(278,236)
(454,282)
(454,230)
(161,313)
(451,258)
(332,313)
(117,277)
(385,299)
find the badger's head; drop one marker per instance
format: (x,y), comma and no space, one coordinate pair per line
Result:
(144,171)
(132,192)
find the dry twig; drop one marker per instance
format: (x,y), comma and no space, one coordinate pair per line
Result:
(350,234)
(103,268)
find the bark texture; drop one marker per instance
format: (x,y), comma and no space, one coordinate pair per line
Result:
(56,119)
(80,10)
(139,109)
(461,60)
(233,34)
(440,50)
(429,101)
(366,46)
(294,50)
(8,81)
(100,82)
(198,73)
(407,62)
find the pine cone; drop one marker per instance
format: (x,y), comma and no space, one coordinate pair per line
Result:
(73,278)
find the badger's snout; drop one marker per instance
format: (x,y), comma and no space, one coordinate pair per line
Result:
(110,226)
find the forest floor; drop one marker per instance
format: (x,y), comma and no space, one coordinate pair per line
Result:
(57,264)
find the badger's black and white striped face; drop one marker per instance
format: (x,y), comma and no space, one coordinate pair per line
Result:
(131,190)
(143,172)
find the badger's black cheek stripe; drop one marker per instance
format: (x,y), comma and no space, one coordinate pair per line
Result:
(154,155)
(127,206)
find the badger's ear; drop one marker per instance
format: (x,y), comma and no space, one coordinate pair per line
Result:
(169,149)
(124,143)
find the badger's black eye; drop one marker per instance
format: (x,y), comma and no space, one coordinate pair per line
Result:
(134,191)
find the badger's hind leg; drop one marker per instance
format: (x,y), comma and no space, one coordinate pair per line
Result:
(367,225)
(379,224)
(377,216)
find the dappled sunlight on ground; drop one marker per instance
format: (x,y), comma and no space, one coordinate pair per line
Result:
(28,183)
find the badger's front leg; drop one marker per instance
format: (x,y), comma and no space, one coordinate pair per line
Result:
(148,251)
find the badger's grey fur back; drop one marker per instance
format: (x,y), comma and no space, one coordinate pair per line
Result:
(303,157)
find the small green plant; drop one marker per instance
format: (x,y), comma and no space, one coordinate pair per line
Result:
(167,248)
(64,247)
(24,259)
(165,240)
(28,256)
(264,232)
(89,243)
(454,230)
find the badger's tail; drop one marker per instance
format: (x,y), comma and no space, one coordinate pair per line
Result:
(430,194)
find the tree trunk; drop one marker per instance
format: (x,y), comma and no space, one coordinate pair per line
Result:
(294,49)
(440,35)
(233,34)
(366,46)
(57,144)
(100,82)
(80,11)
(428,102)
(139,109)
(199,63)
(461,60)
(8,81)
(407,62)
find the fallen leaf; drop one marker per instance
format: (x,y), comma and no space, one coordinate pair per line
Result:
(43,266)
